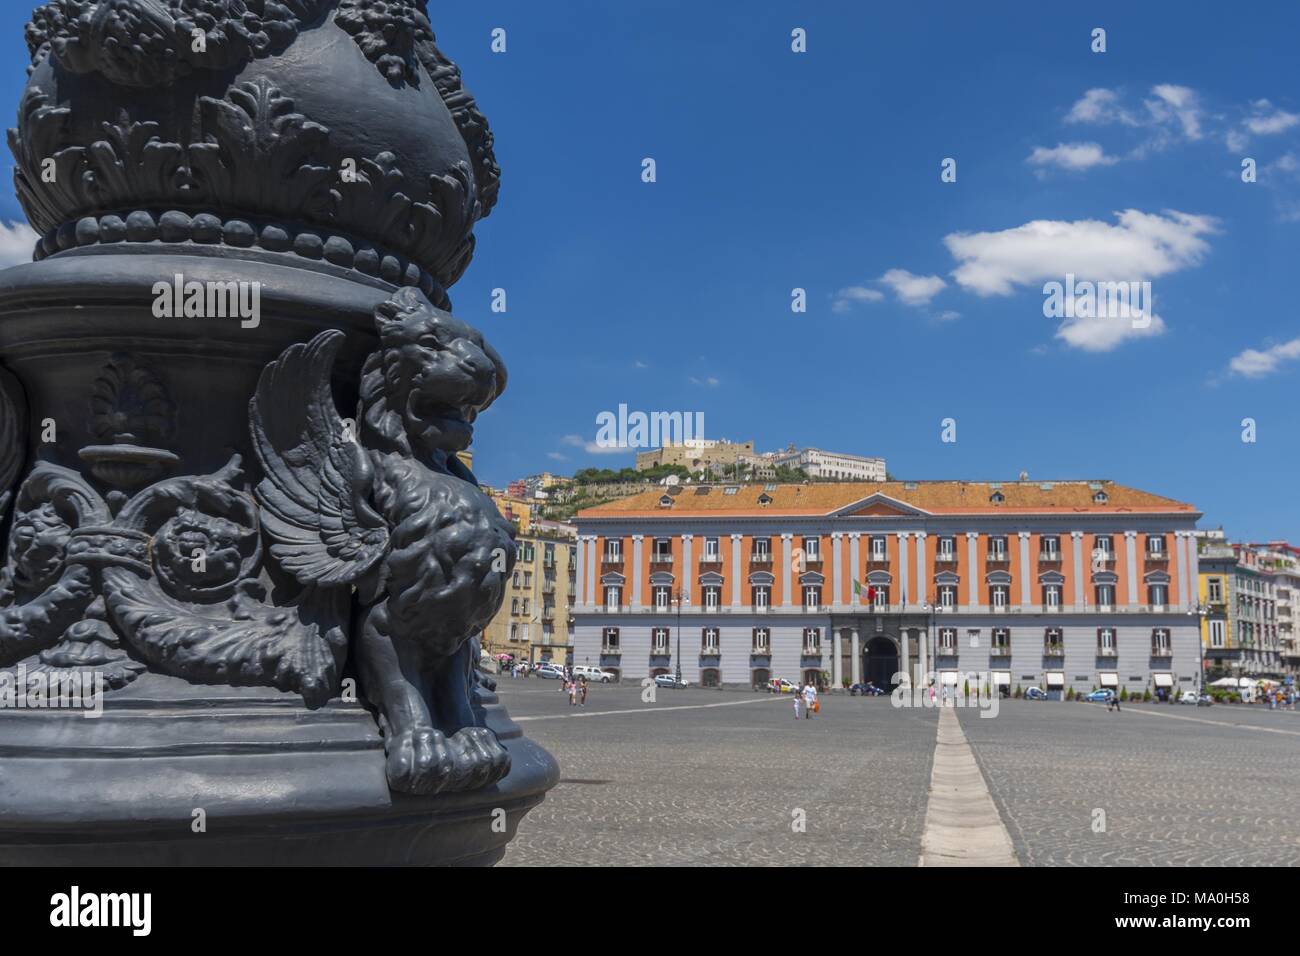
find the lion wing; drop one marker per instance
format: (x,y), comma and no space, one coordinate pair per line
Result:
(315,496)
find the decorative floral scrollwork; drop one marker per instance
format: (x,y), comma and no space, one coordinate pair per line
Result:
(172,582)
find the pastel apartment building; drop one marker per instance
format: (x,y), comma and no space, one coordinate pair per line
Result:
(1058,584)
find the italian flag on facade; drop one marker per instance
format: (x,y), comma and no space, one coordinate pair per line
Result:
(866,592)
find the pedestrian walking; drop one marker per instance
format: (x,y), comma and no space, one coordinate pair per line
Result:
(809,700)
(573,692)
(798,701)
(583,691)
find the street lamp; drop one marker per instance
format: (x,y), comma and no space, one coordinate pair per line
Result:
(1200,611)
(677,658)
(929,637)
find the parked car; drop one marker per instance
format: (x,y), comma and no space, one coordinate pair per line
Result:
(867,689)
(1103,696)
(1188,697)
(779,685)
(592,673)
(670,680)
(551,671)
(1035,693)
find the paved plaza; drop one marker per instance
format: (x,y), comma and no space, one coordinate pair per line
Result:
(708,777)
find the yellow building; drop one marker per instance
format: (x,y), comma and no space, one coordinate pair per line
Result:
(518,511)
(534,623)
(1237,592)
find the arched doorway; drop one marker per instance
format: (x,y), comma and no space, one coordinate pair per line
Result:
(880,660)
(710,677)
(759,678)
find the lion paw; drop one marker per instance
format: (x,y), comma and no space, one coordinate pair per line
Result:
(480,759)
(419,761)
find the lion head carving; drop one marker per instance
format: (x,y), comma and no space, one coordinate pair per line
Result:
(430,377)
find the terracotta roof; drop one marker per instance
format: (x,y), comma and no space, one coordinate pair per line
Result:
(933,497)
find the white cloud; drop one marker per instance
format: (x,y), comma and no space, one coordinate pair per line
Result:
(1102,334)
(17,240)
(948,315)
(1180,103)
(1100,106)
(556,456)
(1254,363)
(1268,120)
(913,289)
(1171,113)
(1072,156)
(639,364)
(846,298)
(1139,246)
(591,448)
(710,381)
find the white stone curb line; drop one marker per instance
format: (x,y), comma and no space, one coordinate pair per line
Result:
(962,825)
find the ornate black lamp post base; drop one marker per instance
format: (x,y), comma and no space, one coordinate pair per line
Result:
(173,774)
(232,397)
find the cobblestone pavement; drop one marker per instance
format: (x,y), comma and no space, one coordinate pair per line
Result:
(706,777)
(1179,785)
(719,785)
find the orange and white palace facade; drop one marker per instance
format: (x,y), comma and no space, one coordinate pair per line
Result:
(1061,584)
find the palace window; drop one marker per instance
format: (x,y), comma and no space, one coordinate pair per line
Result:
(1214,590)
(613,597)
(762,550)
(1218,630)
(1106,641)
(1053,639)
(709,640)
(1161,645)
(614,549)
(663,597)
(947,638)
(947,595)
(711,552)
(1001,596)
(1104,545)
(1104,595)
(947,549)
(712,597)
(1050,548)
(609,639)
(1157,594)
(997,548)
(1052,595)
(762,640)
(1156,545)
(812,595)
(659,640)
(1001,639)
(879,548)
(811,639)
(762,596)
(811,549)
(663,550)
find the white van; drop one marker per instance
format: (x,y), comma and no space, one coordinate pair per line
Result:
(592,673)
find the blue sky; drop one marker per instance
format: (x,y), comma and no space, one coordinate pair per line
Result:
(821,170)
